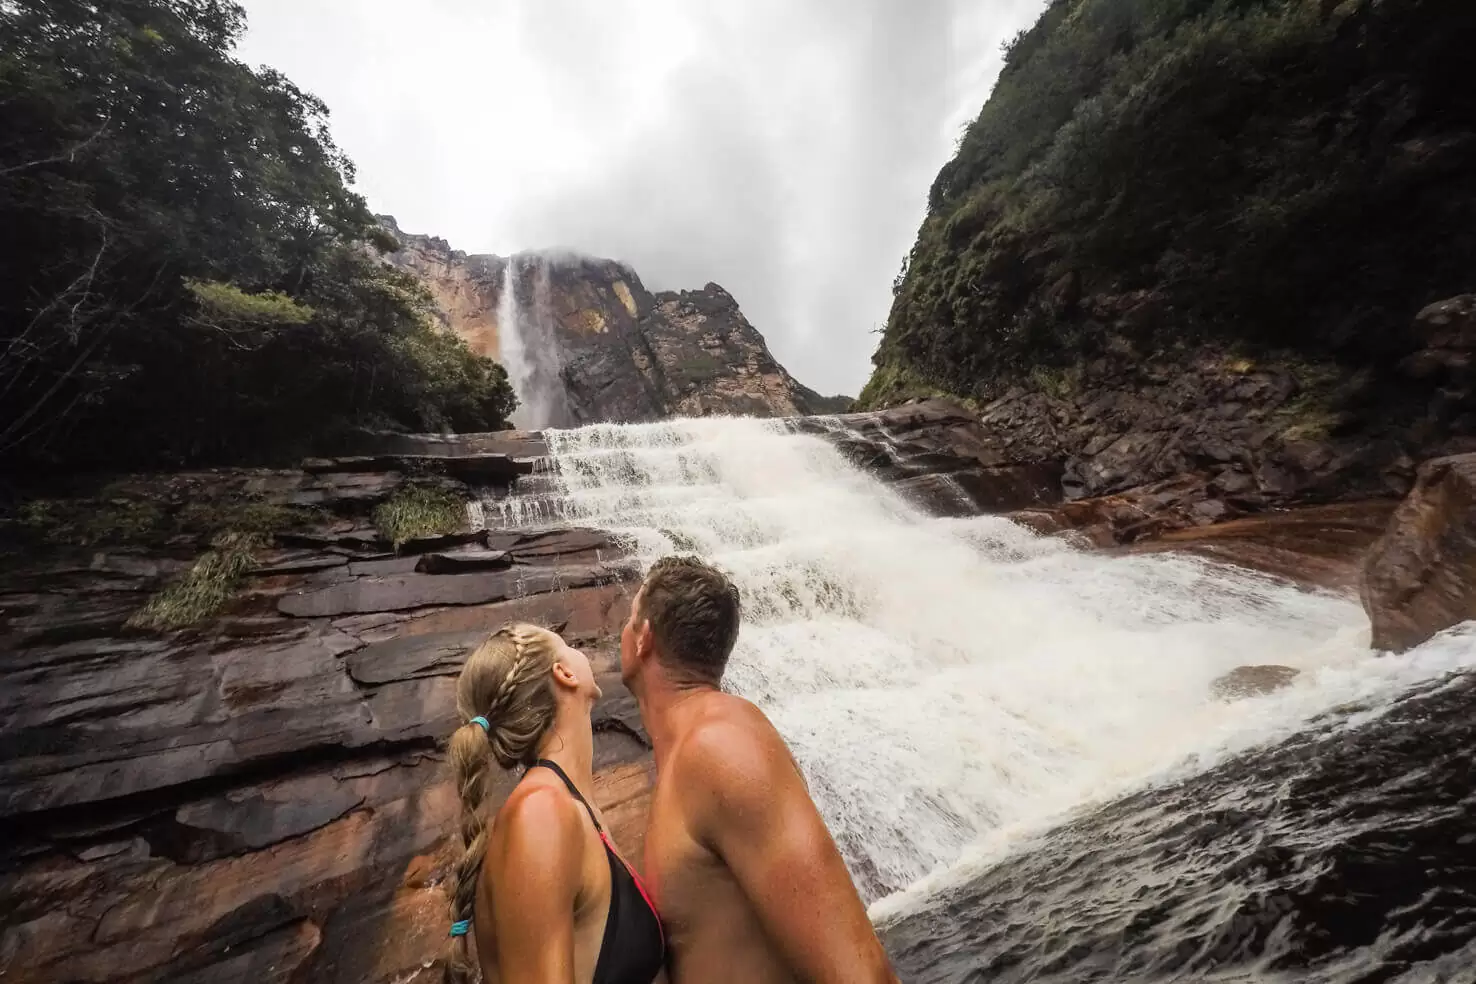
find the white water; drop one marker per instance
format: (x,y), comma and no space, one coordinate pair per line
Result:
(527,346)
(953,686)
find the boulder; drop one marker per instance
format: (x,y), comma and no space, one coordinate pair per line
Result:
(1449,324)
(1253,681)
(1420,578)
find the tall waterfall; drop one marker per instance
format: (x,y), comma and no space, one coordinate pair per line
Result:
(528,344)
(950,687)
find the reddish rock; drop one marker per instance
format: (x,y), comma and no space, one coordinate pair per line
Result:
(1420,578)
(1317,546)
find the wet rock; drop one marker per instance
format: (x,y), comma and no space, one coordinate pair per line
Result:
(938,455)
(361,540)
(423,590)
(528,445)
(557,546)
(414,656)
(306,563)
(1253,681)
(1314,546)
(464,561)
(443,541)
(254,816)
(380,567)
(472,468)
(1420,578)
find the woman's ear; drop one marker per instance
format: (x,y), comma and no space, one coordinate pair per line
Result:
(565,676)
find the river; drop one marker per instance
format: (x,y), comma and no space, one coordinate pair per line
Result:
(1015,744)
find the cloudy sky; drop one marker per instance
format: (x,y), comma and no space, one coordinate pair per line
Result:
(782,148)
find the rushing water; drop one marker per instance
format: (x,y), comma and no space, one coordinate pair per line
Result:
(529,348)
(955,690)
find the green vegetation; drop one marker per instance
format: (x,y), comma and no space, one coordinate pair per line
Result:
(1265,173)
(204,589)
(695,368)
(149,514)
(894,383)
(417,511)
(186,272)
(811,402)
(109,519)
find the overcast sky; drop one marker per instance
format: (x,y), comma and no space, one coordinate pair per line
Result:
(782,148)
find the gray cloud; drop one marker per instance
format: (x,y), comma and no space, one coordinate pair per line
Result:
(782,148)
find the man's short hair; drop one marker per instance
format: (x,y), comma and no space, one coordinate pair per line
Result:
(693,612)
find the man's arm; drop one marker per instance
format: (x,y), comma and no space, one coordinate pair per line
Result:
(755,813)
(535,882)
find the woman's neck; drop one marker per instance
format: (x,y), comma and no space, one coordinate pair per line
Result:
(570,745)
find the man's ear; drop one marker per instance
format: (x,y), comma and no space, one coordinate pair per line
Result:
(645,641)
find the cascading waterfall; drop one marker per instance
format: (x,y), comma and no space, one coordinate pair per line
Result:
(950,687)
(528,345)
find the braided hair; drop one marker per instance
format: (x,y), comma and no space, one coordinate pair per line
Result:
(505,698)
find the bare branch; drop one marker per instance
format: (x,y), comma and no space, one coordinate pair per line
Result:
(67,155)
(8,439)
(87,285)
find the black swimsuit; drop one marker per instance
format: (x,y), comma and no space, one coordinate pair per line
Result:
(633,949)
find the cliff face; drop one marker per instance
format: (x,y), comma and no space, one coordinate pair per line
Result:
(1186,239)
(584,341)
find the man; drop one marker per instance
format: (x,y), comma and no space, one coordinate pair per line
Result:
(742,869)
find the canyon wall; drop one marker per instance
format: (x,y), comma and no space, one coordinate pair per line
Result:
(584,340)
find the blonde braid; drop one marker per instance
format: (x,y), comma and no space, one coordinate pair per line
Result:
(505,682)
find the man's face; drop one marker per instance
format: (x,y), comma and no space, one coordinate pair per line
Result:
(630,639)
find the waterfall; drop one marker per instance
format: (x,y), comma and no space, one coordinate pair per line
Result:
(950,687)
(529,345)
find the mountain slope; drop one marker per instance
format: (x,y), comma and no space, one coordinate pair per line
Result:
(1262,174)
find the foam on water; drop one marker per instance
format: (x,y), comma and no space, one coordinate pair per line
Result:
(952,686)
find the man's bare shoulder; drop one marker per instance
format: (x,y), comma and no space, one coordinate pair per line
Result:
(730,752)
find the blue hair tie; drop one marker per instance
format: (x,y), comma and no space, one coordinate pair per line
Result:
(460,928)
(483,722)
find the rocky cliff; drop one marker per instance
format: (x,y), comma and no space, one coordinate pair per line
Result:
(584,341)
(1186,266)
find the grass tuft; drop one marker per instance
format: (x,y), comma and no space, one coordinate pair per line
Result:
(417,511)
(204,589)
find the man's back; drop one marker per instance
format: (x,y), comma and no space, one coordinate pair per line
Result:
(747,878)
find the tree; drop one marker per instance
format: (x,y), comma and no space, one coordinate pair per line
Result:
(186,270)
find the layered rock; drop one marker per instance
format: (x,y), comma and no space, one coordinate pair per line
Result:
(587,342)
(1158,441)
(263,797)
(1420,578)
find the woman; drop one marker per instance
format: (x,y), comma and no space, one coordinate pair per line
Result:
(549,899)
